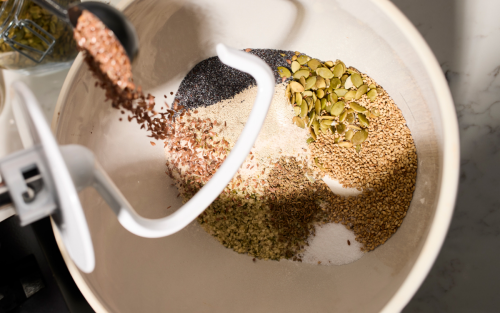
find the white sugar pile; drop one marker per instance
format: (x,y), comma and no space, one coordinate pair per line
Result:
(333,243)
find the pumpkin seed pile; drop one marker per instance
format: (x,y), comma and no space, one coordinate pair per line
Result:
(324,95)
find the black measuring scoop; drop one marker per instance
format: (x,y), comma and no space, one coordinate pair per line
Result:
(111,17)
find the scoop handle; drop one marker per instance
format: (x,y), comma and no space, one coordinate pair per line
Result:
(154,228)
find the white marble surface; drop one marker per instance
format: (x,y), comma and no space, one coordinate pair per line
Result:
(465,36)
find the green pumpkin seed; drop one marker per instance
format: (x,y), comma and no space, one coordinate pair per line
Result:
(296,110)
(326,117)
(311,81)
(299,122)
(320,83)
(352,71)
(361,91)
(311,105)
(358,148)
(372,86)
(311,116)
(357,107)
(359,137)
(340,92)
(317,107)
(296,87)
(337,108)
(348,135)
(313,64)
(336,140)
(333,129)
(341,128)
(343,79)
(323,104)
(295,66)
(375,112)
(303,109)
(363,120)
(327,123)
(314,97)
(284,72)
(315,125)
(345,144)
(329,63)
(307,93)
(353,127)
(320,93)
(350,95)
(379,91)
(356,80)
(301,73)
(335,83)
(309,140)
(339,69)
(294,58)
(372,94)
(350,118)
(313,135)
(342,116)
(324,72)
(298,98)
(302,59)
(302,81)
(332,98)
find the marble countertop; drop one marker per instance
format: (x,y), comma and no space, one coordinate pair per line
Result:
(465,37)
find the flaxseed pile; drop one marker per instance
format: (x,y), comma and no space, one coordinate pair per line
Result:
(110,65)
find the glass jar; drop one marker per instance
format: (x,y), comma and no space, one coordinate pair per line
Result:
(32,40)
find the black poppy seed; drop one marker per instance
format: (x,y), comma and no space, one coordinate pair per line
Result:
(210,81)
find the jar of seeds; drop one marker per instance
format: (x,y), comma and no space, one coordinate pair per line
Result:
(32,40)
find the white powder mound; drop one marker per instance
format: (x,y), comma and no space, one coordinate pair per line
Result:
(339,190)
(278,136)
(330,246)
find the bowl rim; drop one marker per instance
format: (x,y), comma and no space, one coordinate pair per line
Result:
(448,185)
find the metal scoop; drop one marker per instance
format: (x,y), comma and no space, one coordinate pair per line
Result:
(111,17)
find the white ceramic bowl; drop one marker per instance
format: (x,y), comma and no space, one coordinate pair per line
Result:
(191,272)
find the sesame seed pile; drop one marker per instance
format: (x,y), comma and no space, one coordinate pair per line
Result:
(385,169)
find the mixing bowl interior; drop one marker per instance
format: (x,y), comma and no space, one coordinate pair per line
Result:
(190,271)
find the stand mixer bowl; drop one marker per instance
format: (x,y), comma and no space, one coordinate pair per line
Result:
(191,272)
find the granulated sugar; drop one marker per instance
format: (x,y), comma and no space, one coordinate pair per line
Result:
(278,137)
(333,244)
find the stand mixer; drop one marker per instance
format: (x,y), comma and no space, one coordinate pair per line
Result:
(44,179)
